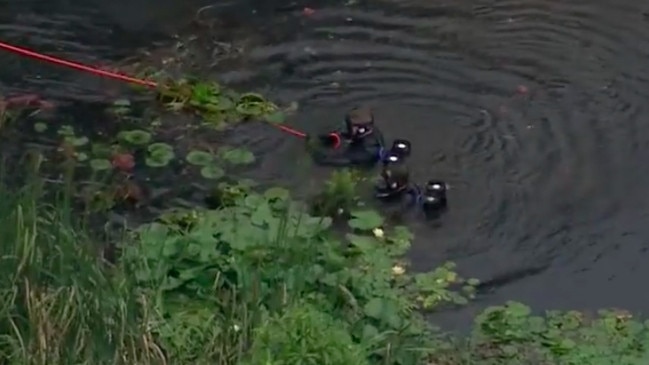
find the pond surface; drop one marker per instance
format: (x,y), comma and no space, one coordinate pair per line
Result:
(533,110)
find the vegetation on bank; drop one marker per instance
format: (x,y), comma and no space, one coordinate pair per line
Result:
(257,282)
(254,277)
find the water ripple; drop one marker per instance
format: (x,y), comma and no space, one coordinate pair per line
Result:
(540,173)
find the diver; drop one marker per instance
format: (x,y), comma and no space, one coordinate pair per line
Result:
(394,187)
(358,143)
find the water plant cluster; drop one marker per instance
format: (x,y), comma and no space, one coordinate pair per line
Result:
(259,281)
(255,278)
(217,106)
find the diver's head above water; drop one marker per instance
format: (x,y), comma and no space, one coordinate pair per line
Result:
(434,197)
(359,123)
(401,148)
(394,178)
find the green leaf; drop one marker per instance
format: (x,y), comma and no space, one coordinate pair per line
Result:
(40,127)
(153,162)
(363,243)
(374,308)
(153,147)
(100,164)
(370,333)
(159,157)
(276,193)
(212,172)
(135,137)
(199,158)
(365,220)
(237,156)
(277,117)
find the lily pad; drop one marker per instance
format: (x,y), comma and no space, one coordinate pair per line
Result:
(237,156)
(159,158)
(40,127)
(199,158)
(100,164)
(153,147)
(212,172)
(136,137)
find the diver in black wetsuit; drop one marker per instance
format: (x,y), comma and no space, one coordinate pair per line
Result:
(394,187)
(359,143)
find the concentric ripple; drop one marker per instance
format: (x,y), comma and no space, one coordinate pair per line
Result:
(533,110)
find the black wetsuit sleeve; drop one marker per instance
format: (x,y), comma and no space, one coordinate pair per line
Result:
(365,153)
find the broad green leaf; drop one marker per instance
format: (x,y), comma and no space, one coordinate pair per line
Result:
(199,158)
(365,220)
(135,137)
(237,156)
(212,172)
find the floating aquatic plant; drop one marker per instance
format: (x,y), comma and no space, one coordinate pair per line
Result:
(365,220)
(237,156)
(216,105)
(199,158)
(159,157)
(159,146)
(212,172)
(135,137)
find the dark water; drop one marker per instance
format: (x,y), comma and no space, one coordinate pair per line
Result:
(533,110)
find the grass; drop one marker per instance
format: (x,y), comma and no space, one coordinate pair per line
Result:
(59,303)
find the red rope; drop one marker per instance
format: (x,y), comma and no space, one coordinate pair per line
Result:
(109,74)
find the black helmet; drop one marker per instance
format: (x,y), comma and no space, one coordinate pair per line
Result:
(395,173)
(435,187)
(359,122)
(401,147)
(434,197)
